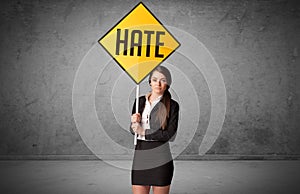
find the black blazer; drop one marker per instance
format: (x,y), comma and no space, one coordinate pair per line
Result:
(156,132)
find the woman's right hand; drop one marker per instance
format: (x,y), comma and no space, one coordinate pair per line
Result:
(136,118)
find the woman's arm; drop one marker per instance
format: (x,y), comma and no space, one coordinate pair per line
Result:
(169,132)
(141,102)
(133,111)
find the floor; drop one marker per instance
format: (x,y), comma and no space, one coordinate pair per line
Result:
(201,177)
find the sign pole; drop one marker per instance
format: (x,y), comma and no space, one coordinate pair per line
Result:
(136,109)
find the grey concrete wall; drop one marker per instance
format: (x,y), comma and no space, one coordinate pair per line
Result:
(255,43)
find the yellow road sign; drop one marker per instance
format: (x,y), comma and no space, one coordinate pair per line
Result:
(139,42)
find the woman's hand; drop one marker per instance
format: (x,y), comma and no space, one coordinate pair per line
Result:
(136,118)
(136,127)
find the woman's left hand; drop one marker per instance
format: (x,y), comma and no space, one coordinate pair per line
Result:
(136,127)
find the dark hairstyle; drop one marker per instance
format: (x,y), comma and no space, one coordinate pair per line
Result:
(164,109)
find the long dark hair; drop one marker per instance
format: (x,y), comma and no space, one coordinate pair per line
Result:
(164,108)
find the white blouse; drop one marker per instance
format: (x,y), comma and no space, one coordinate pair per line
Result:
(146,114)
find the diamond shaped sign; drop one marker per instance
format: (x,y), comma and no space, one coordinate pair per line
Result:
(139,43)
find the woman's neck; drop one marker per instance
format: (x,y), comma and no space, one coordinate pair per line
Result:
(153,96)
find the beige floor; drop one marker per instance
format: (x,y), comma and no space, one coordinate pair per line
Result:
(201,177)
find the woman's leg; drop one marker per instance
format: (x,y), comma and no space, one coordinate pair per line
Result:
(161,190)
(140,189)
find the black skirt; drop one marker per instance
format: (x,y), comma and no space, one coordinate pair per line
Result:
(152,164)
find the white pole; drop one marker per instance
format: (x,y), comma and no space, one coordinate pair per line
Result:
(136,109)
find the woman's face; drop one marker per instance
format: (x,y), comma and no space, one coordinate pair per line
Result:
(158,83)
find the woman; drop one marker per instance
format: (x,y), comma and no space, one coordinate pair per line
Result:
(156,125)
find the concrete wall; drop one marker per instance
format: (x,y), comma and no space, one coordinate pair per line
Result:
(255,43)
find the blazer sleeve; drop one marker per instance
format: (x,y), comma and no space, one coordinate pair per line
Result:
(132,112)
(141,104)
(167,134)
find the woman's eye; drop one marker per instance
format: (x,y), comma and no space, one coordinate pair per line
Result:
(162,80)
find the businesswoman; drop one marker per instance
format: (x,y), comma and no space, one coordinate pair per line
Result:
(156,125)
